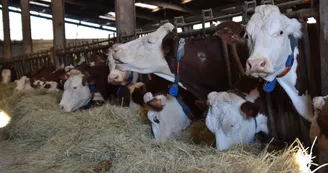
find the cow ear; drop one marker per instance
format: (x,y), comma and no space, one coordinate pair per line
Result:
(84,80)
(201,104)
(250,109)
(231,32)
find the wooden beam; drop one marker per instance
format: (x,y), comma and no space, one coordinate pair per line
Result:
(323,10)
(125,19)
(26,26)
(6,30)
(58,13)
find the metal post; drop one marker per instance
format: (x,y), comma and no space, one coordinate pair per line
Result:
(26,26)
(323,10)
(6,30)
(58,13)
(125,20)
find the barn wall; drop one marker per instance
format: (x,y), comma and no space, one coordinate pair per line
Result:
(38,45)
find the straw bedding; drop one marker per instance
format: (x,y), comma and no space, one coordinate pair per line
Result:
(115,139)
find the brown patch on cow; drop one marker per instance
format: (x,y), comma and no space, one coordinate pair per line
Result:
(301,81)
(231,32)
(250,109)
(137,95)
(155,104)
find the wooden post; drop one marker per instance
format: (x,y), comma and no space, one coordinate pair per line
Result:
(125,20)
(26,26)
(6,30)
(58,13)
(323,6)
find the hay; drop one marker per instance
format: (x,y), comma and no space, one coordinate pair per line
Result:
(115,139)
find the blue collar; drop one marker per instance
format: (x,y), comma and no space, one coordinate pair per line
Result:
(130,77)
(269,86)
(185,108)
(174,89)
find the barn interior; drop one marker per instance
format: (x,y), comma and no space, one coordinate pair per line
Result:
(41,33)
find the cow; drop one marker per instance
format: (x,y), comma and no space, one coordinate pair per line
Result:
(236,115)
(171,118)
(201,70)
(272,39)
(6,76)
(23,84)
(319,129)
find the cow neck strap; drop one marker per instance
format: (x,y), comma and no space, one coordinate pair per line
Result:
(269,86)
(174,89)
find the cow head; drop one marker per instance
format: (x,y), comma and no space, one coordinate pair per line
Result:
(6,76)
(226,115)
(145,54)
(76,92)
(23,84)
(117,77)
(268,40)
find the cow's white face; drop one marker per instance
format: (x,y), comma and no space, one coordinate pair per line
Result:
(116,77)
(76,95)
(268,41)
(144,55)
(6,76)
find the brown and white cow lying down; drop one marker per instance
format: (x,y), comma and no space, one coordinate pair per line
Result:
(235,116)
(319,129)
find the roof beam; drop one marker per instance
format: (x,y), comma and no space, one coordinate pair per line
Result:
(171,6)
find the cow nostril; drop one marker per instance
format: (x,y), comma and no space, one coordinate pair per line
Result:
(116,77)
(263,64)
(249,64)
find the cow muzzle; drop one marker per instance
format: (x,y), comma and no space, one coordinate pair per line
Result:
(258,67)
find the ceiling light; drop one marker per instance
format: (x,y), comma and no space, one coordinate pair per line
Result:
(14,8)
(107,17)
(72,20)
(46,0)
(34,12)
(90,24)
(185,1)
(109,27)
(143,5)
(156,9)
(39,4)
(237,19)
(45,15)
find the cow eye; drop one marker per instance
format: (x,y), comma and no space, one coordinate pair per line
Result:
(281,32)
(74,88)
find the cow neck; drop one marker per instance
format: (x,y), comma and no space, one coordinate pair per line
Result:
(302,102)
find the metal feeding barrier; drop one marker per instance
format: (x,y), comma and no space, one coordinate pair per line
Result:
(72,53)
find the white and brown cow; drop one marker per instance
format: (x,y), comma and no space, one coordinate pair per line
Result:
(168,119)
(6,76)
(319,129)
(270,37)
(235,116)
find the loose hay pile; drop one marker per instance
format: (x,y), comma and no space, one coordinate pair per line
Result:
(115,139)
